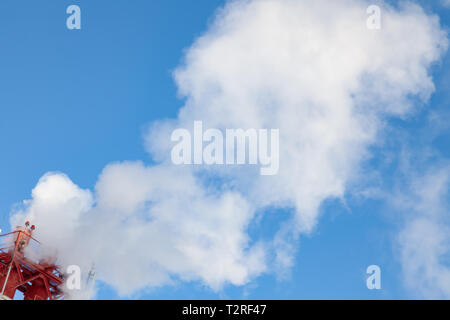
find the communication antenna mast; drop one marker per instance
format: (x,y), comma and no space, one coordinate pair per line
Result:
(90,280)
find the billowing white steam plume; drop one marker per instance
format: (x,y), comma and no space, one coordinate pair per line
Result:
(311,69)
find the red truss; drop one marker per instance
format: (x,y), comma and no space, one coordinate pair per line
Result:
(37,280)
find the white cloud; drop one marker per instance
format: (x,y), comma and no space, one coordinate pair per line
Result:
(148,225)
(317,73)
(311,69)
(424,242)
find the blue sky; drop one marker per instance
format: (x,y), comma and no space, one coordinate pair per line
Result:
(74,101)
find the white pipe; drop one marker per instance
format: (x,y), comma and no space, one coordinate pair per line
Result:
(6,280)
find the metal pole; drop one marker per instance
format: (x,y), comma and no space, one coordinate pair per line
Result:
(7,277)
(9,270)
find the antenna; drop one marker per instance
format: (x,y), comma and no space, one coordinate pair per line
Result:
(90,281)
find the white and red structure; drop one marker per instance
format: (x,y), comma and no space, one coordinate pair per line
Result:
(36,279)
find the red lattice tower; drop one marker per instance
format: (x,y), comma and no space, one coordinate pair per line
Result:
(37,280)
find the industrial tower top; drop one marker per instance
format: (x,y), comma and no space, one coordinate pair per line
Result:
(35,279)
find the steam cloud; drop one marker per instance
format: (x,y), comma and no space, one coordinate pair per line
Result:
(309,68)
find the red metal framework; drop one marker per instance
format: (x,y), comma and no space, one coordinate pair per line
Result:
(37,280)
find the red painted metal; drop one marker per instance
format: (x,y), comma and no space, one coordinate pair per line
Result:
(36,279)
